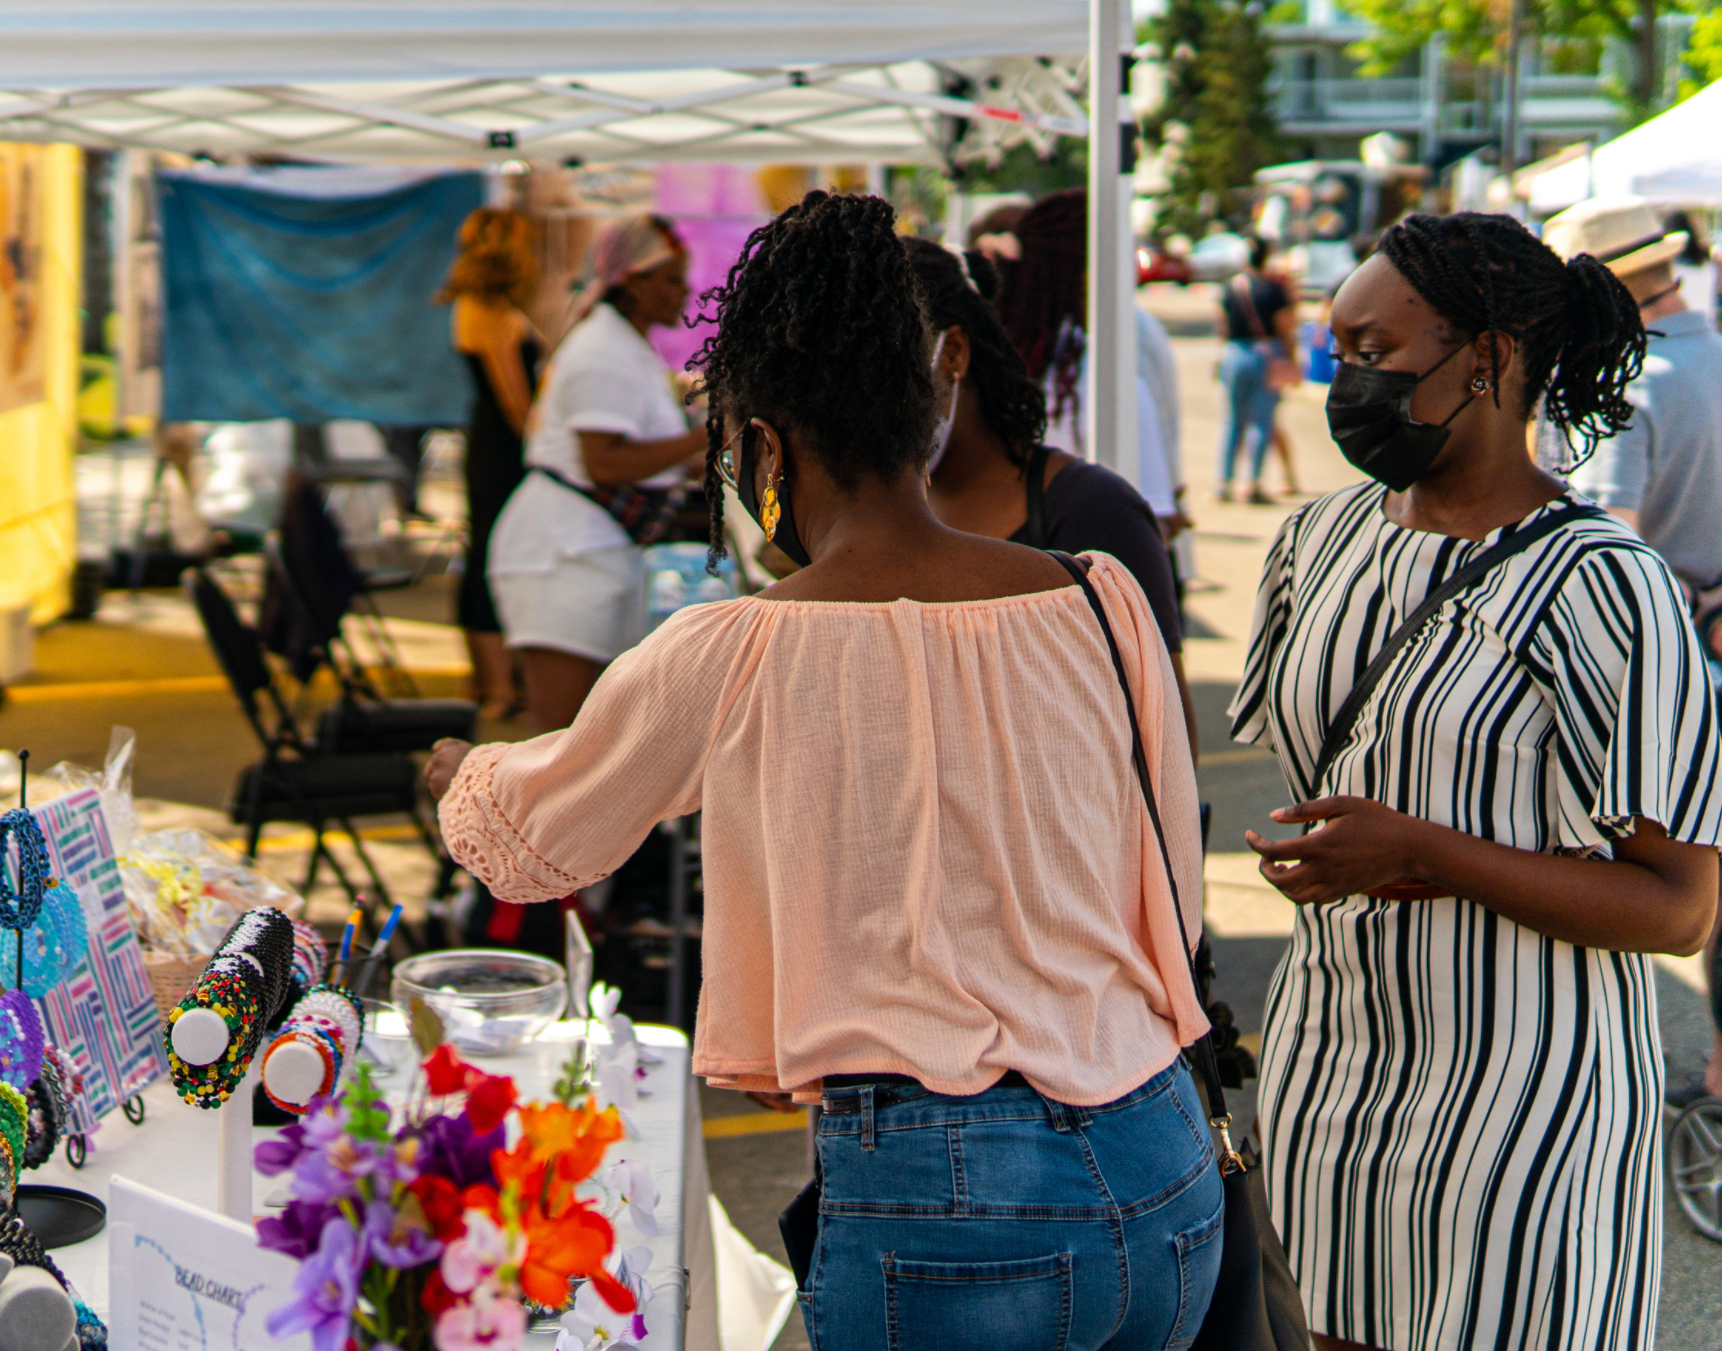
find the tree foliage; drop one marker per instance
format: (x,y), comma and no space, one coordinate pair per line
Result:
(1703,57)
(1216,111)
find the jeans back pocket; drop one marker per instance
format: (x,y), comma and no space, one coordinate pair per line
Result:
(979,1306)
(1199,1248)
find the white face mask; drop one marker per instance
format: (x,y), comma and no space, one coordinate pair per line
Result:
(942,429)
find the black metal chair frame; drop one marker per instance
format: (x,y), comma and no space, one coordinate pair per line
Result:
(240,653)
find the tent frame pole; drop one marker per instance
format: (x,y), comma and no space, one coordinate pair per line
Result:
(1109,414)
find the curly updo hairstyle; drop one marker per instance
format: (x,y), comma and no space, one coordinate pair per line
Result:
(1578,330)
(821,333)
(959,289)
(1044,303)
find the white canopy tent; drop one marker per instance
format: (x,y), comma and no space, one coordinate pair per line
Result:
(462,81)
(1672,160)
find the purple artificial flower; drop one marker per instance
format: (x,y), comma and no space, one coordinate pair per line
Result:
(324,1122)
(448,1148)
(297,1230)
(333,1173)
(324,1291)
(393,1241)
(280,1154)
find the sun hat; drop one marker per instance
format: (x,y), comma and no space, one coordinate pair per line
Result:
(1623,232)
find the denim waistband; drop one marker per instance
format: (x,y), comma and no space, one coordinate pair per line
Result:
(920,1106)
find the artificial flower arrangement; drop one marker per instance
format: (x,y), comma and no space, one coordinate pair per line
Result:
(435,1231)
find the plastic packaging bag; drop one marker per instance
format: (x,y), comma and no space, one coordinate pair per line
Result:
(185,888)
(114,783)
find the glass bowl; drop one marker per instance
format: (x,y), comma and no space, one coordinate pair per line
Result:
(490,1002)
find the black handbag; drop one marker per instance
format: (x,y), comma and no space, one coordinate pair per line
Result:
(1256,1305)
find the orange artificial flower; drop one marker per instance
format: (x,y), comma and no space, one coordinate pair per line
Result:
(574,1245)
(573,1138)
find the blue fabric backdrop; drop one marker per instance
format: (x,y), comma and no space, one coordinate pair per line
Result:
(310,308)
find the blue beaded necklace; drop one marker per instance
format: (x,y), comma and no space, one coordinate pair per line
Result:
(19,908)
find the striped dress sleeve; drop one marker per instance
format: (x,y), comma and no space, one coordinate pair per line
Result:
(1249,707)
(1635,713)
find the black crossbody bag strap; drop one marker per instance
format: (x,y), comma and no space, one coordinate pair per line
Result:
(1202,1052)
(1036,483)
(1462,580)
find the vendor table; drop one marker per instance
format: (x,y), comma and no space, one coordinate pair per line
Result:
(174,1151)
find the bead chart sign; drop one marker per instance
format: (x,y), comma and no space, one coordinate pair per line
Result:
(104,1011)
(182,1279)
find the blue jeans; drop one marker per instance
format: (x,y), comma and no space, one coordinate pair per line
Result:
(1250,406)
(1010,1222)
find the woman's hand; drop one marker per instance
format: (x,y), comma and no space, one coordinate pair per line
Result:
(444,764)
(1363,847)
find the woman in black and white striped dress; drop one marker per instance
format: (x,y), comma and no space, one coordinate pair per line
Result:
(1459,1097)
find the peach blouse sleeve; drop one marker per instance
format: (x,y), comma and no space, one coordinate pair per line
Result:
(573,806)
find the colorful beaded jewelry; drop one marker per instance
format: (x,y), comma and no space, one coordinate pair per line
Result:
(8,1175)
(50,1108)
(53,945)
(14,1118)
(18,909)
(22,1040)
(304,1062)
(310,958)
(233,1001)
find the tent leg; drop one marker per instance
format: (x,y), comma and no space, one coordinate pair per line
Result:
(1109,415)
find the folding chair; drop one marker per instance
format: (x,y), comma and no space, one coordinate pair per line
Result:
(364,719)
(297,780)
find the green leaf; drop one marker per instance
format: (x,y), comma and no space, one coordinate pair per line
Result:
(426,1027)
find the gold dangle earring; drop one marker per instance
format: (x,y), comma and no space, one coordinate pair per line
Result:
(769,510)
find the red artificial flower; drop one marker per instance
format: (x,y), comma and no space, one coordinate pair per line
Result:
(480,1197)
(441,1204)
(446,1072)
(489,1098)
(437,1296)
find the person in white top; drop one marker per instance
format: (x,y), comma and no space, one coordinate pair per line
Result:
(569,582)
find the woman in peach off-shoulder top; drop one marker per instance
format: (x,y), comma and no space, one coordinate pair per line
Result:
(932,897)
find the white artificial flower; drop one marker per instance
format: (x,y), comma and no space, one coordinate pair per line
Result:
(592,1325)
(631,1180)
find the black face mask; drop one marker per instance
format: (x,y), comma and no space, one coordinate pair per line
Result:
(785,538)
(1369,415)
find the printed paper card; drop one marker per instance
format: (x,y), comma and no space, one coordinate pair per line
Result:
(104,1011)
(185,1279)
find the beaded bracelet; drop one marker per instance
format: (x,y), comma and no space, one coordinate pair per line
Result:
(53,945)
(50,1108)
(310,957)
(230,1005)
(22,1040)
(18,909)
(14,1116)
(304,1062)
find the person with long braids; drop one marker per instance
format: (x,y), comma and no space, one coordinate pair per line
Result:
(1488,701)
(1043,305)
(934,900)
(990,474)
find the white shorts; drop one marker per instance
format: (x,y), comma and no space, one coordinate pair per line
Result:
(592,604)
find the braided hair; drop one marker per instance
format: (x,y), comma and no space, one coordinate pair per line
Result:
(821,332)
(958,288)
(1578,329)
(1045,297)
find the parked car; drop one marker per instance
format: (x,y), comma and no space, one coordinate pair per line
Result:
(1154,263)
(1219,256)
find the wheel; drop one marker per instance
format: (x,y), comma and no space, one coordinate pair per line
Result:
(1695,1165)
(76,1150)
(133,1107)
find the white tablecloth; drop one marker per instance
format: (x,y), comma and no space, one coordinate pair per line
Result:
(175,1151)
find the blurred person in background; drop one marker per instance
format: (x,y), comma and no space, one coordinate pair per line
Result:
(988,442)
(487,285)
(1694,266)
(1662,472)
(569,580)
(1043,304)
(1258,323)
